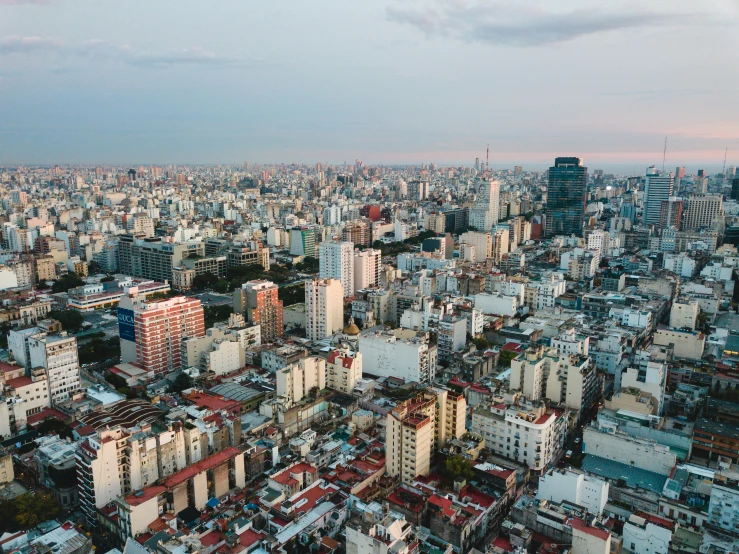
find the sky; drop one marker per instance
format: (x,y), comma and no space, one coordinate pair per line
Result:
(384,81)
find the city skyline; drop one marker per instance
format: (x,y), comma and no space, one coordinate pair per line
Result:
(429,81)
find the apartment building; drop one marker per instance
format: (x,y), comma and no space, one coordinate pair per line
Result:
(336,261)
(297,380)
(344,369)
(527,433)
(57,355)
(399,353)
(324,308)
(367,266)
(157,329)
(417,427)
(259,302)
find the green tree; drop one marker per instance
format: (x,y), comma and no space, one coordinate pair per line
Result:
(205,281)
(458,467)
(506,356)
(66,282)
(27,511)
(292,295)
(214,314)
(52,425)
(71,320)
(308,265)
(182,382)
(481,343)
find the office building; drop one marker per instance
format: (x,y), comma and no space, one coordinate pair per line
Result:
(152,258)
(336,261)
(702,211)
(259,301)
(566,193)
(303,242)
(485,212)
(367,267)
(324,308)
(658,188)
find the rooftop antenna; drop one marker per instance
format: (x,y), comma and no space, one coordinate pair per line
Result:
(664,155)
(723,172)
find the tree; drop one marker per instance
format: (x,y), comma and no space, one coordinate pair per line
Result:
(292,295)
(205,281)
(308,265)
(481,343)
(214,314)
(506,356)
(71,320)
(107,279)
(182,382)
(27,511)
(66,282)
(52,425)
(458,467)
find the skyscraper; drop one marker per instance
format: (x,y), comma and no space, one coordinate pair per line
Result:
(336,261)
(484,214)
(657,189)
(702,211)
(367,267)
(568,179)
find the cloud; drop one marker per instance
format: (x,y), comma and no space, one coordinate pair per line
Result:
(19,2)
(28,45)
(522,25)
(101,50)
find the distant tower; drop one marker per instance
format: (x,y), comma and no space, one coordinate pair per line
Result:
(566,197)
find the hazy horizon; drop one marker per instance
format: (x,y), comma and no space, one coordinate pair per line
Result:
(391,82)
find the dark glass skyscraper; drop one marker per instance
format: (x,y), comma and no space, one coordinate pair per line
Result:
(566,197)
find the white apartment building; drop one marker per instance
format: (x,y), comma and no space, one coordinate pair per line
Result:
(57,354)
(400,353)
(501,244)
(569,381)
(496,304)
(482,243)
(452,336)
(650,377)
(324,308)
(607,442)
(569,342)
(367,266)
(336,261)
(684,315)
(646,535)
(344,369)
(723,510)
(573,486)
(680,264)
(296,380)
(484,214)
(528,434)
(544,293)
(388,534)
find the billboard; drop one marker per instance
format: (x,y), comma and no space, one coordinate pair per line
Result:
(126,329)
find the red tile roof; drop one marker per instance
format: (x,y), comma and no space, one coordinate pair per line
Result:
(580,525)
(19,382)
(203,465)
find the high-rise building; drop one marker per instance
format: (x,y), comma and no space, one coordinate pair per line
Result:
(418,190)
(336,261)
(417,427)
(259,301)
(658,188)
(702,211)
(157,328)
(57,354)
(357,232)
(484,214)
(303,242)
(500,244)
(482,242)
(679,172)
(367,266)
(295,381)
(735,188)
(566,193)
(151,258)
(324,308)
(671,213)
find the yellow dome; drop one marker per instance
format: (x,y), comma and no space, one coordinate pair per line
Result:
(351,328)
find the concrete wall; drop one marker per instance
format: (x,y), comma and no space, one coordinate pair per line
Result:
(630,451)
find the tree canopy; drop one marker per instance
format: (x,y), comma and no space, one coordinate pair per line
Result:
(458,467)
(71,320)
(66,282)
(27,511)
